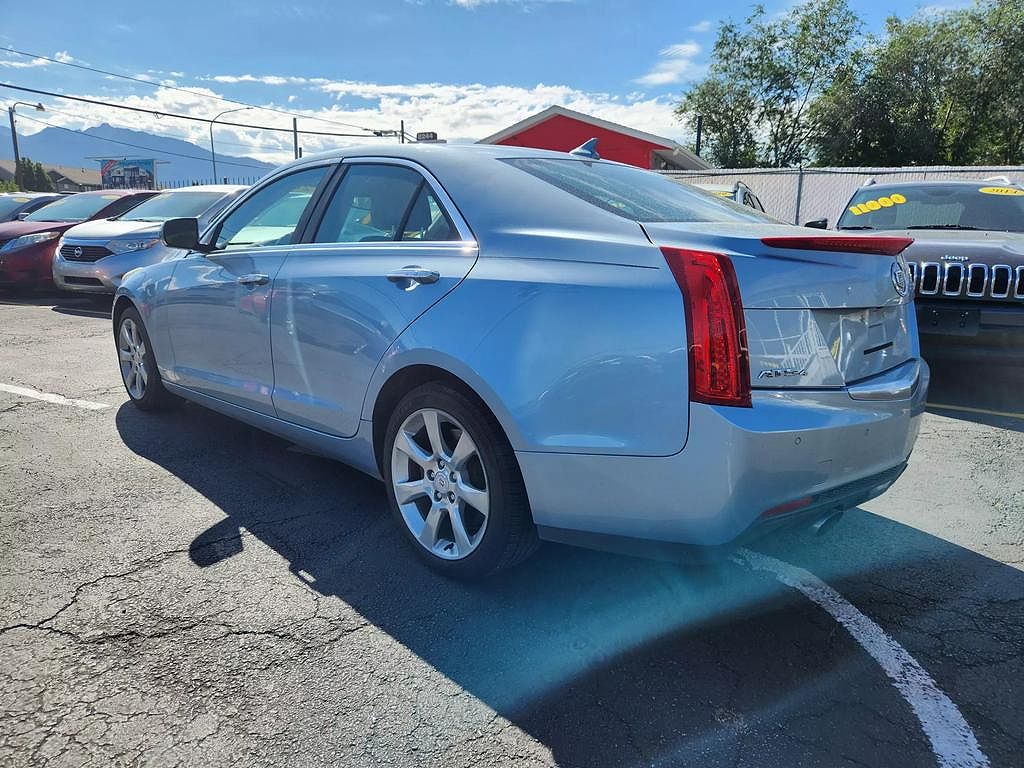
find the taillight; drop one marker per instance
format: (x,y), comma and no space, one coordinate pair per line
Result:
(715,329)
(881,246)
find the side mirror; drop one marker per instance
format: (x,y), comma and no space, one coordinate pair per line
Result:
(23,215)
(181,233)
(817,224)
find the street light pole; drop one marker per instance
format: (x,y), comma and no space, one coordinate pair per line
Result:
(213,152)
(38,107)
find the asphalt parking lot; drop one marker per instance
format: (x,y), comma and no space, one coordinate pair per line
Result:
(179,589)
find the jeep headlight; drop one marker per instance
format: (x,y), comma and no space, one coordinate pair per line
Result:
(130,246)
(26,240)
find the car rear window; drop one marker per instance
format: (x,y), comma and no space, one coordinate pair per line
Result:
(73,208)
(634,193)
(987,206)
(172,205)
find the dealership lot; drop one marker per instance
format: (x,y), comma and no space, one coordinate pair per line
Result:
(182,589)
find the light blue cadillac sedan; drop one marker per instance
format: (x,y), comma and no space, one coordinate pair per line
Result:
(531,345)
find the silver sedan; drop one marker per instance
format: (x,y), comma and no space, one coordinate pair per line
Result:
(92,257)
(529,345)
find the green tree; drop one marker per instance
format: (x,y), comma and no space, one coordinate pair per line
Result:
(946,89)
(31,177)
(765,75)
(903,99)
(8,186)
(997,28)
(41,181)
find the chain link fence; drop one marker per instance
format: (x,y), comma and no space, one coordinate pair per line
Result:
(798,195)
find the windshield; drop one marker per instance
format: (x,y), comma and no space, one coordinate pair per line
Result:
(634,193)
(936,206)
(10,203)
(72,208)
(173,205)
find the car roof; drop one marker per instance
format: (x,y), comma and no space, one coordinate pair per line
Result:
(941,182)
(29,194)
(718,187)
(222,188)
(118,192)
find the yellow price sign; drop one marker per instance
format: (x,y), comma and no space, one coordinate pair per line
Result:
(22,199)
(109,197)
(878,204)
(1001,191)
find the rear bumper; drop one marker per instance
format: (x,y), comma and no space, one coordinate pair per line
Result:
(820,449)
(971,332)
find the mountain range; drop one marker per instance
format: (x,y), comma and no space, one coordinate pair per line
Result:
(179,161)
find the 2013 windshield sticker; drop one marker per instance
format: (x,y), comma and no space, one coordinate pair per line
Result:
(1001,191)
(878,204)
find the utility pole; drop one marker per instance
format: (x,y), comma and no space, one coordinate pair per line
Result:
(401,133)
(38,107)
(295,136)
(14,140)
(700,130)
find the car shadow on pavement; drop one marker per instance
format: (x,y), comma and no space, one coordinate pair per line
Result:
(990,394)
(617,661)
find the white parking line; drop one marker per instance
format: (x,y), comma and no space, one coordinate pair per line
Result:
(952,739)
(88,405)
(986,411)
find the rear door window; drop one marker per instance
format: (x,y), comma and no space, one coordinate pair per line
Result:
(371,204)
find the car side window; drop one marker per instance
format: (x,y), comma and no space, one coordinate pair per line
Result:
(382,203)
(427,219)
(271,215)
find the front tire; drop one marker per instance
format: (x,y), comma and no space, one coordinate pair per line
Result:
(139,373)
(454,484)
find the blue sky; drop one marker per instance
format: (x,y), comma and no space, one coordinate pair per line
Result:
(464,68)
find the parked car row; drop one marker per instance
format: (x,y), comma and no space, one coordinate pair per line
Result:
(89,240)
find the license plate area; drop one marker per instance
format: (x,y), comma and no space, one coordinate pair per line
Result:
(949,321)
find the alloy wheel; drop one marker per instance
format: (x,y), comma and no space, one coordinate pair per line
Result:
(440,484)
(131,353)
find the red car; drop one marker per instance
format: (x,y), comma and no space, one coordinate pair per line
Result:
(27,247)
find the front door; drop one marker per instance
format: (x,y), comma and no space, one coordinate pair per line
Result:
(218,303)
(388,245)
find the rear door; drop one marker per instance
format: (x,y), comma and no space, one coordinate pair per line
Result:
(387,243)
(218,304)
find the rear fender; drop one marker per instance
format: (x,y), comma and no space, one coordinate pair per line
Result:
(570,356)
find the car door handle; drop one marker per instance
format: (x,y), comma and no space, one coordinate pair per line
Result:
(414,274)
(254,279)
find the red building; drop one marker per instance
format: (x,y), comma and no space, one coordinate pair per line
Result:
(563,129)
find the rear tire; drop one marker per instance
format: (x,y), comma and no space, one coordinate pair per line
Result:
(463,504)
(138,367)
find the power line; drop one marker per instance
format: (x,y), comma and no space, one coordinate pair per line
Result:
(138,146)
(183,90)
(159,113)
(269,147)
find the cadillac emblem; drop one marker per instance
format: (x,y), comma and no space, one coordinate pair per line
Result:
(899,278)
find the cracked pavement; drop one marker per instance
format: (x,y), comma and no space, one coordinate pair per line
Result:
(180,589)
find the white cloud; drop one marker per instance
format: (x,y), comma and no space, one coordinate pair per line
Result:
(701,26)
(22,64)
(676,64)
(457,112)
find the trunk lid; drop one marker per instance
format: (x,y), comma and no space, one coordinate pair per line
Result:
(814,318)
